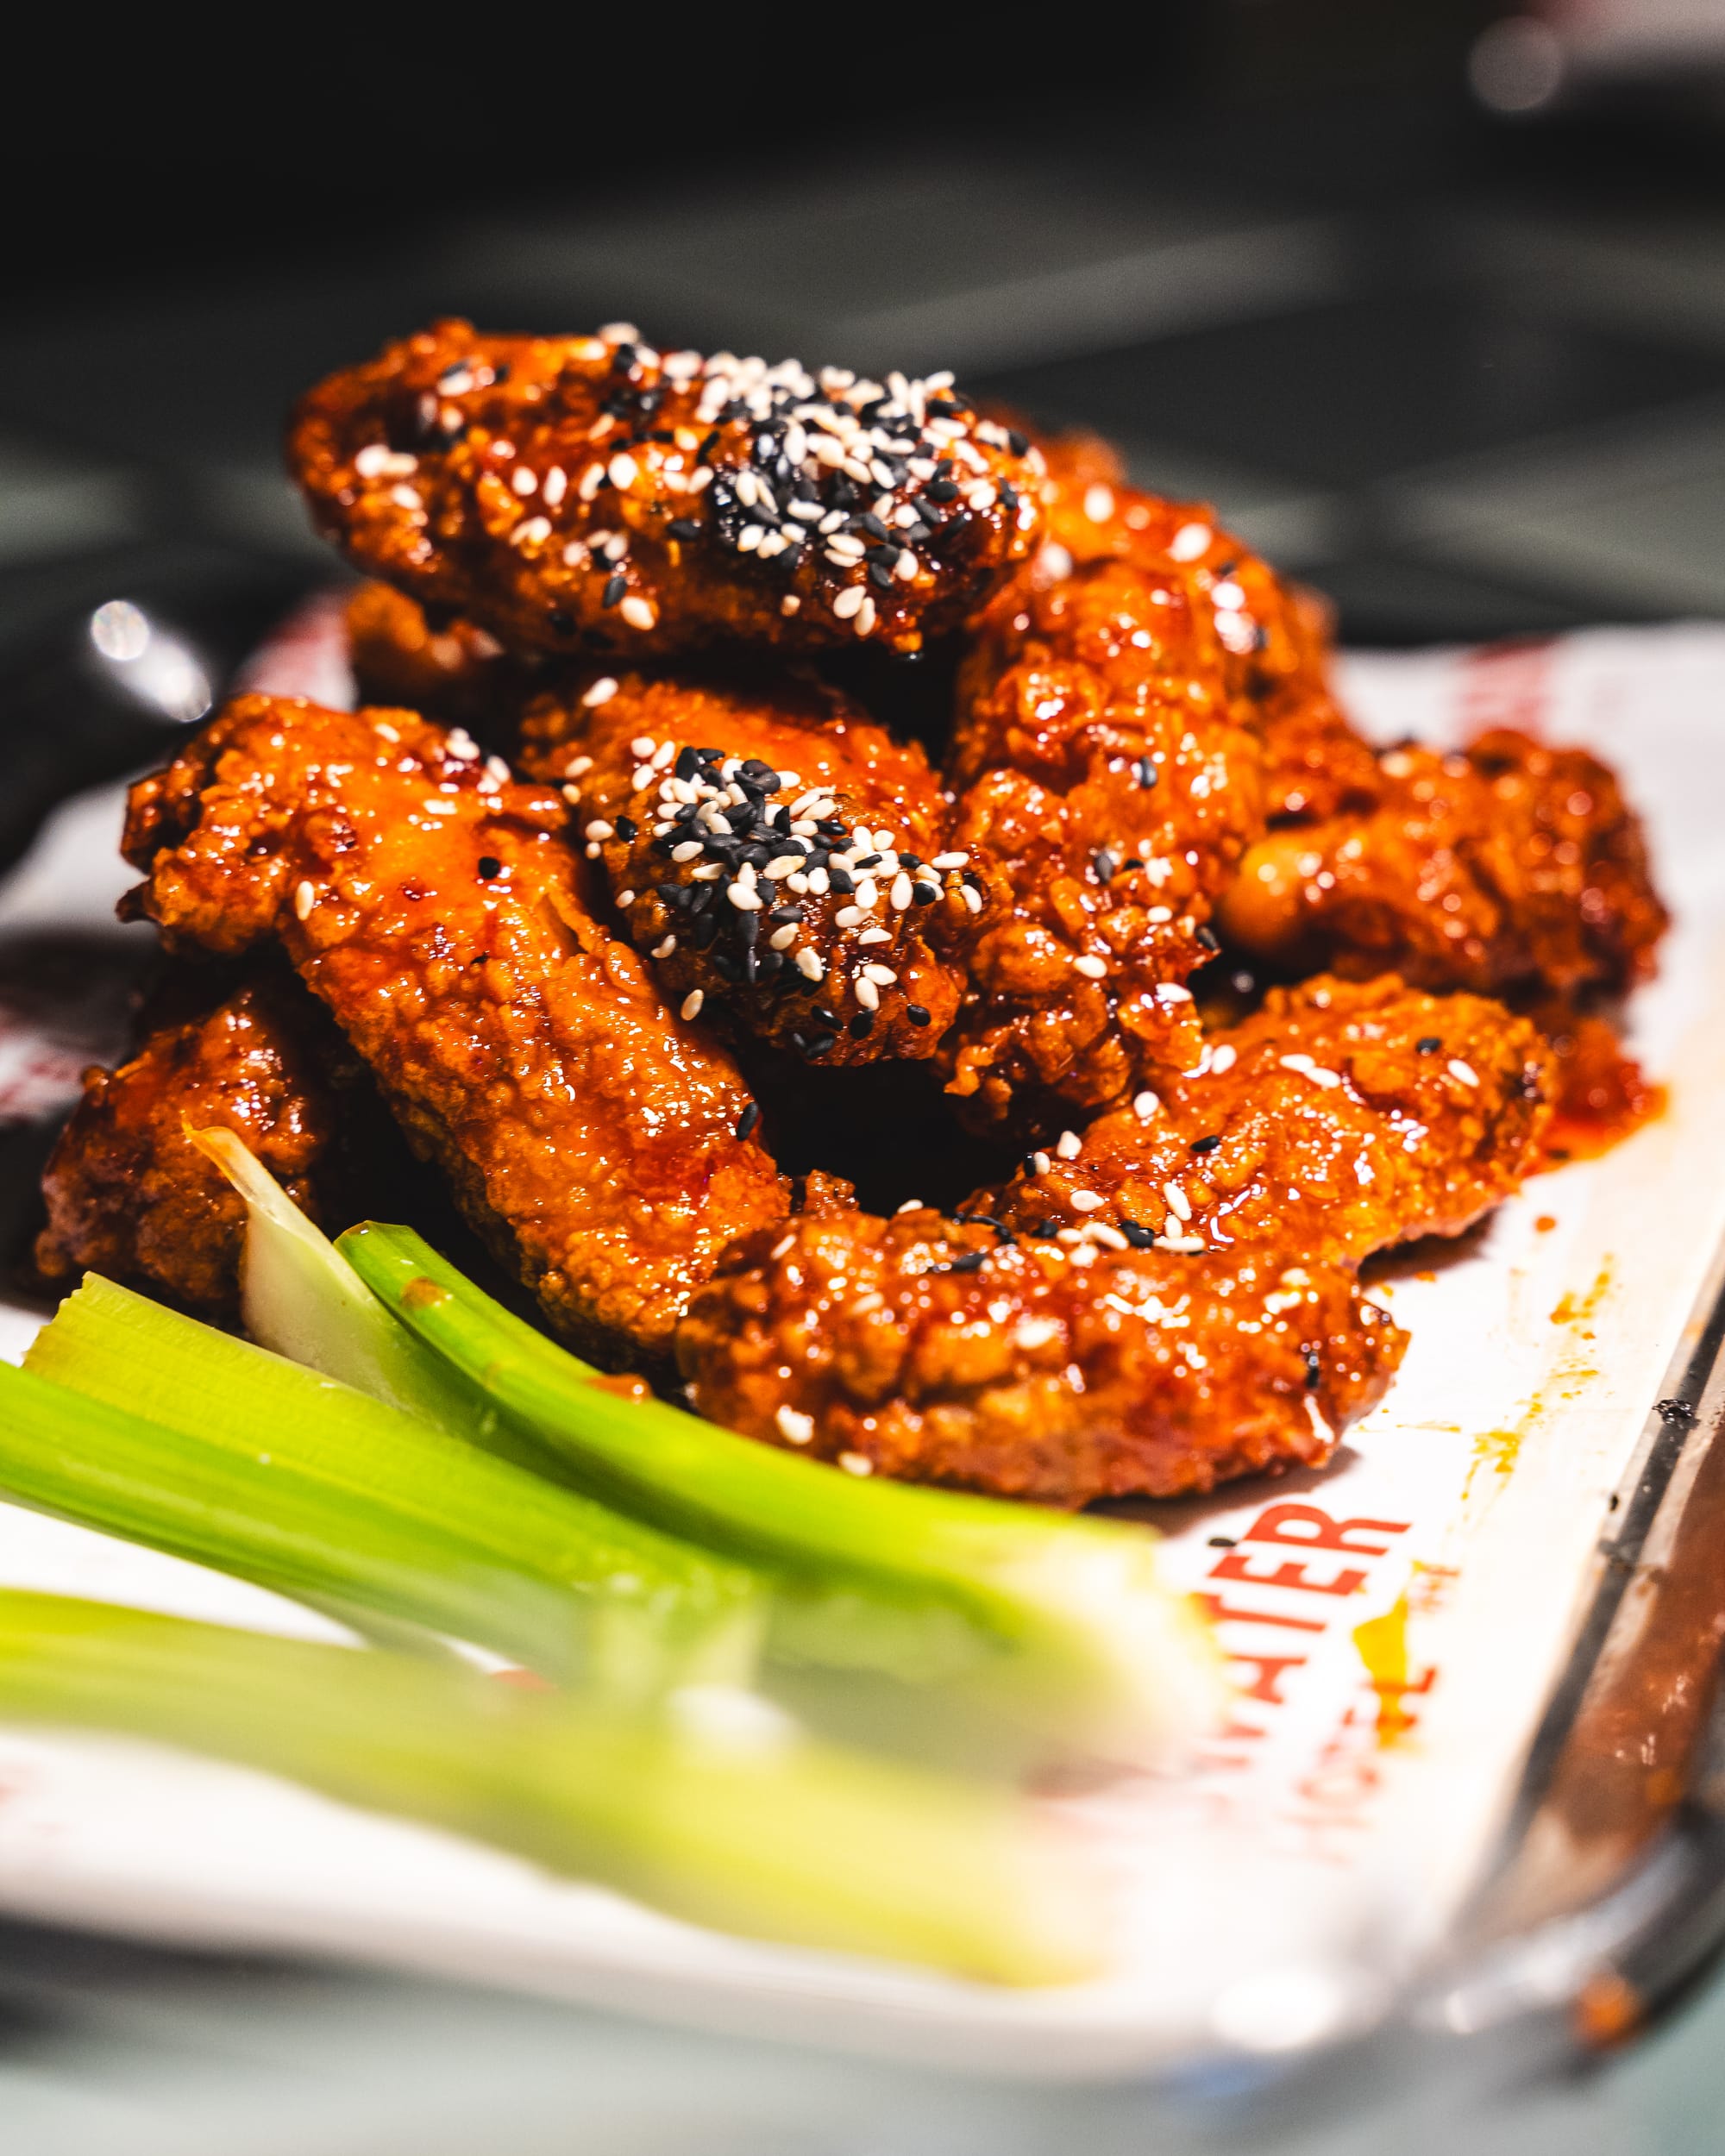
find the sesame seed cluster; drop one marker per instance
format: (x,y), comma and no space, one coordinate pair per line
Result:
(736,876)
(592,491)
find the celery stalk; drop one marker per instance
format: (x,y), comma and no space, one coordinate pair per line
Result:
(301,1299)
(1062,1624)
(754,1830)
(134,1420)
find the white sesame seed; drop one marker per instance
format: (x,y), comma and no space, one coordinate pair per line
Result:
(905,567)
(819,882)
(1088,1200)
(597,829)
(856,1463)
(692,1004)
(642,746)
(784,1244)
(664,949)
(973,899)
(1171,992)
(663,754)
(794,1427)
(556,485)
(691,850)
(789,604)
(809,965)
(1040,1163)
(1463,1072)
(1035,1332)
(1109,1237)
(1099,503)
(1178,1203)
(1223,1059)
(1145,1105)
(638,611)
(525,481)
(383,730)
(868,894)
(867,993)
(642,776)
(1070,1146)
(571,794)
(590,481)
(876,936)
(848,602)
(865,618)
(950,861)
(1189,542)
(849,917)
(782,938)
(1092,968)
(744,899)
(625,900)
(782,865)
(305,898)
(883,976)
(623,471)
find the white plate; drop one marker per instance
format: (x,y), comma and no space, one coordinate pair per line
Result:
(1280,1893)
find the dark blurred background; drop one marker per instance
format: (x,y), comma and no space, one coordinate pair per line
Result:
(1428,295)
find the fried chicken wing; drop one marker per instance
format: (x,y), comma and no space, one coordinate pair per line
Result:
(930,1350)
(601,1146)
(1511,868)
(776,855)
(1339,1118)
(129,1195)
(587,492)
(1098,764)
(455,672)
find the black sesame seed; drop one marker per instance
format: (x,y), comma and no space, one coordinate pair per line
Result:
(1105,866)
(1315,1370)
(490,866)
(563,623)
(1204,1144)
(747,928)
(881,578)
(1138,1236)
(1429,1046)
(826,1017)
(862,1025)
(627,829)
(726,966)
(1222,1542)
(941,491)
(972,1262)
(916,1014)
(770,964)
(1208,938)
(1016,442)
(1048,1230)
(821,1045)
(867,860)
(704,932)
(614,591)
(782,916)
(841,882)
(683,527)
(1147,774)
(747,1121)
(871,524)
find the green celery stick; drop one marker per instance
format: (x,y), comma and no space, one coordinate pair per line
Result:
(130,1417)
(1062,1624)
(748,1826)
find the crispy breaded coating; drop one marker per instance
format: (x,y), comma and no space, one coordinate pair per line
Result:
(773,852)
(1271,637)
(456,672)
(588,1134)
(130,1196)
(930,1350)
(1511,868)
(1098,765)
(1339,1118)
(566,492)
